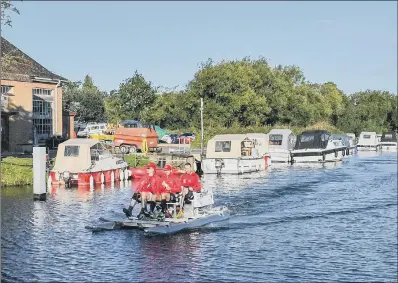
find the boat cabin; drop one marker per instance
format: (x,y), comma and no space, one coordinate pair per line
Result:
(231,146)
(260,142)
(368,139)
(78,155)
(345,139)
(389,137)
(281,139)
(317,139)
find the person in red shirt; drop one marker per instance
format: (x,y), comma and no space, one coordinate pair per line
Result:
(170,186)
(190,182)
(146,189)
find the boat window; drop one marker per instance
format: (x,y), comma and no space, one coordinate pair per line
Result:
(325,137)
(388,136)
(275,139)
(71,150)
(306,138)
(223,146)
(366,136)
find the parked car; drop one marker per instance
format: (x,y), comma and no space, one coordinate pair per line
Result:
(92,129)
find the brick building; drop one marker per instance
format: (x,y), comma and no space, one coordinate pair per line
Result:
(31,101)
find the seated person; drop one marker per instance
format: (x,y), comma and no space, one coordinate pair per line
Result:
(190,182)
(170,186)
(146,191)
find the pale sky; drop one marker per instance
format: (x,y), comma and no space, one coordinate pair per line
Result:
(353,44)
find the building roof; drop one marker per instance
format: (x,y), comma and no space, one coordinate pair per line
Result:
(17,66)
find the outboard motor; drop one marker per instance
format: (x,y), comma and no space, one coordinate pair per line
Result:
(66,177)
(219,165)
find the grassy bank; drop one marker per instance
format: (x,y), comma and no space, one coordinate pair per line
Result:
(211,132)
(136,161)
(16,171)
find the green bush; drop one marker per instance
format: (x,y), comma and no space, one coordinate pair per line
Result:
(16,171)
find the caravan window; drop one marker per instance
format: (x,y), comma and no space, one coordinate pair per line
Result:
(223,146)
(71,150)
(275,139)
(366,136)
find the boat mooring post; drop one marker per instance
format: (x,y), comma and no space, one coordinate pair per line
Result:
(39,173)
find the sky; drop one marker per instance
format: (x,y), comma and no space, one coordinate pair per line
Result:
(353,44)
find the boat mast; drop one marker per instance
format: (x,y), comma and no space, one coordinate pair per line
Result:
(202,128)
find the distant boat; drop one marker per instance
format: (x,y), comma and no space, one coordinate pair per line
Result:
(317,146)
(281,143)
(388,141)
(368,141)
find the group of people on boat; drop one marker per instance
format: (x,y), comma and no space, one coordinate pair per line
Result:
(154,188)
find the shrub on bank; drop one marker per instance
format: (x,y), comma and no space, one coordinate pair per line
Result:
(16,171)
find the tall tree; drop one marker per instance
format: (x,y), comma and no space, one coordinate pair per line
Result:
(135,95)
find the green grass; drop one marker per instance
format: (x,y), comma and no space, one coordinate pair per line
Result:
(16,171)
(136,161)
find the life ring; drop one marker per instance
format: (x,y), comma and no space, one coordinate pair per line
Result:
(144,146)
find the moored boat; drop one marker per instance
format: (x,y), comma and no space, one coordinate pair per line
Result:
(347,141)
(388,141)
(368,141)
(235,154)
(86,162)
(317,146)
(281,142)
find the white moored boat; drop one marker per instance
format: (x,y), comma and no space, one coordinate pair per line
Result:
(368,141)
(235,154)
(347,141)
(281,143)
(388,141)
(317,146)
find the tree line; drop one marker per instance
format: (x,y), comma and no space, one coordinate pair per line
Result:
(239,94)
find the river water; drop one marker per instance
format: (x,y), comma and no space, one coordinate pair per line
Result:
(291,223)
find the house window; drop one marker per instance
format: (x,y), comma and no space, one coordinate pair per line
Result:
(42,117)
(42,91)
(6,89)
(223,146)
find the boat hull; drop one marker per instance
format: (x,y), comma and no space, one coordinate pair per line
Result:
(234,165)
(99,177)
(280,156)
(190,224)
(318,155)
(389,147)
(368,147)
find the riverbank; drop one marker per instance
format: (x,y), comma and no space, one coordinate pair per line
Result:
(18,171)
